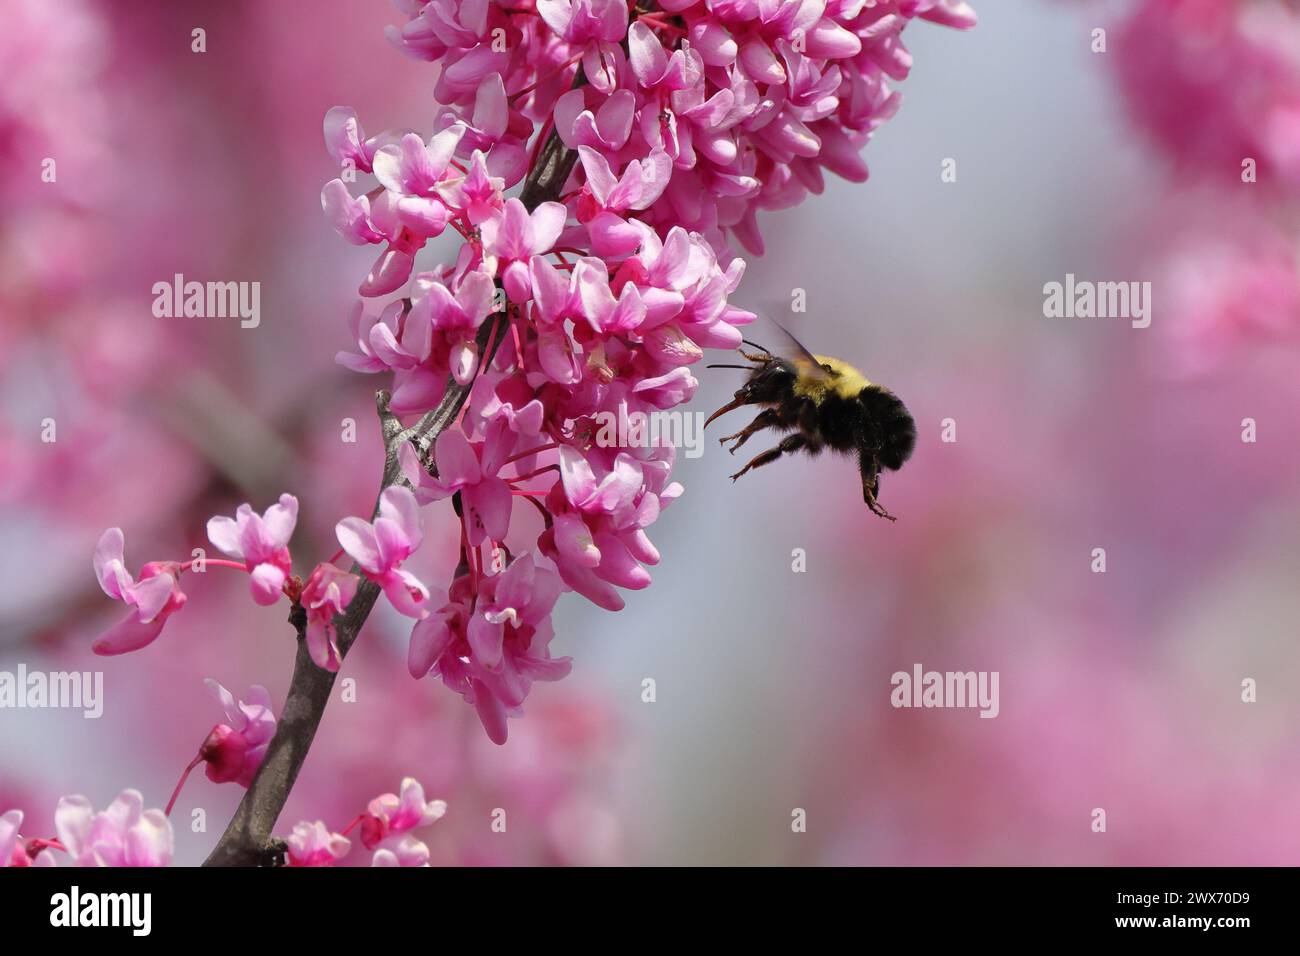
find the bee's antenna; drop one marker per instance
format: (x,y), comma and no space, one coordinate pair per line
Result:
(744,368)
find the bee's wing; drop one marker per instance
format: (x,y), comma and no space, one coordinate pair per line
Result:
(792,350)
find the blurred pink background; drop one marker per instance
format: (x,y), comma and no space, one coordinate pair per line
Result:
(1119,690)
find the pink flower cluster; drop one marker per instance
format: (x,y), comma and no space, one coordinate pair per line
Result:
(1216,86)
(681,122)
(126,834)
(260,546)
(691,113)
(684,121)
(1216,82)
(386,827)
(389,819)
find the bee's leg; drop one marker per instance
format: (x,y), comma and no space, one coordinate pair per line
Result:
(869,465)
(765,419)
(869,496)
(760,359)
(788,444)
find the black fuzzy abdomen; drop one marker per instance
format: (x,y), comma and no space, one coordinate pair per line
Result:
(838,422)
(891,428)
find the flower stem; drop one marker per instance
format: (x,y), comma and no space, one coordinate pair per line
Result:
(216,563)
(532,474)
(353,825)
(198,759)
(546,76)
(36,845)
(532,451)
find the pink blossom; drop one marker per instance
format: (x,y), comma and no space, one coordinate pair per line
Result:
(431,637)
(478,192)
(555,299)
(603,506)
(327,593)
(381,547)
(454,317)
(440,26)
(466,69)
(493,131)
(402,851)
(262,542)
(12,852)
(411,167)
(125,834)
(509,398)
(604,313)
(606,129)
(471,470)
(312,844)
(641,183)
(389,817)
(234,751)
(490,649)
(747,107)
(410,209)
(1213,83)
(584,21)
(520,597)
(412,172)
(1216,84)
(363,327)
(516,236)
(354,218)
(153,598)
(390,814)
(346,140)
(655,68)
(403,339)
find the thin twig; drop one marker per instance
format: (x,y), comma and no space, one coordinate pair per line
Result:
(247,839)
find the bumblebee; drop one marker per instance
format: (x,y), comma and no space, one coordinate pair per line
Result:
(826,403)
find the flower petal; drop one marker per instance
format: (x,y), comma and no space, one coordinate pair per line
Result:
(358,539)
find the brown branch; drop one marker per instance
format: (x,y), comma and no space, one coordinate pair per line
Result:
(554,164)
(247,839)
